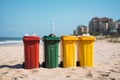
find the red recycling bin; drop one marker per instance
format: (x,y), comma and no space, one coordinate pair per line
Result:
(31,51)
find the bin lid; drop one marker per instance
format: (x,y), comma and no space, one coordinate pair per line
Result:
(69,38)
(51,38)
(31,38)
(87,38)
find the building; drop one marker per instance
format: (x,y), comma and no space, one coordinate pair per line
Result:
(100,25)
(81,29)
(117,25)
(75,32)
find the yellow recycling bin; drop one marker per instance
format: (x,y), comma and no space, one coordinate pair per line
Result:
(69,44)
(86,50)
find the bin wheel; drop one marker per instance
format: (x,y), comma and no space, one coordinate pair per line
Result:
(39,64)
(61,64)
(23,65)
(78,63)
(43,64)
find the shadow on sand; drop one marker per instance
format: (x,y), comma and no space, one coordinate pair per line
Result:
(17,66)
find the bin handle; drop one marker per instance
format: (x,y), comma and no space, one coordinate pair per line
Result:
(53,35)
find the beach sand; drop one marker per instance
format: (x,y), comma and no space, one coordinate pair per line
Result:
(107,65)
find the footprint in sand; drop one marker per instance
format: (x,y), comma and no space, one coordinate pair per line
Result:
(118,54)
(68,76)
(116,71)
(5,73)
(15,78)
(13,61)
(89,74)
(34,71)
(104,74)
(21,77)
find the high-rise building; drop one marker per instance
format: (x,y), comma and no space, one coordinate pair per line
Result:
(81,29)
(117,25)
(100,25)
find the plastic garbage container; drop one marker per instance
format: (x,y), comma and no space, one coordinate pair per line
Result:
(86,50)
(69,44)
(51,50)
(31,52)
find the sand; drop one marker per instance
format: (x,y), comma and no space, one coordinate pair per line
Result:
(107,65)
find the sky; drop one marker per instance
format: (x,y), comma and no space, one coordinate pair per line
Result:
(19,17)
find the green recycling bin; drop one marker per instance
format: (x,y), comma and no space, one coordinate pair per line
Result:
(51,50)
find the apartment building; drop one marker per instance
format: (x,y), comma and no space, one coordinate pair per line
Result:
(117,25)
(81,29)
(100,25)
